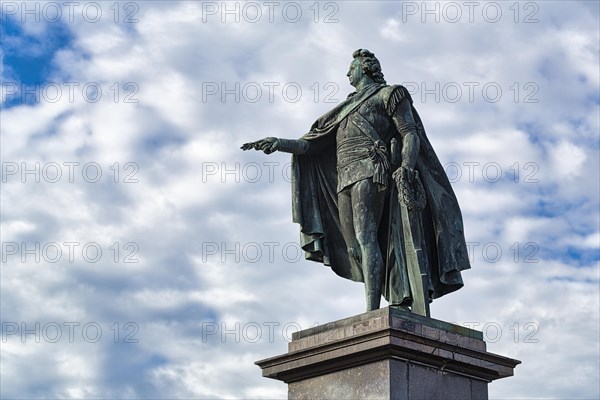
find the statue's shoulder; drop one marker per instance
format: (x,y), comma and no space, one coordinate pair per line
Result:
(398,90)
(393,94)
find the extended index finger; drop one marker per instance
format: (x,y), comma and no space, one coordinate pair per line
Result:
(248,146)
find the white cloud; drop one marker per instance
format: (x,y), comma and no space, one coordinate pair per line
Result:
(567,160)
(198,213)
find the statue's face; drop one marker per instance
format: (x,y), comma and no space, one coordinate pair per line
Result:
(355,72)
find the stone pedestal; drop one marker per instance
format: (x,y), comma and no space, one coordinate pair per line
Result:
(388,354)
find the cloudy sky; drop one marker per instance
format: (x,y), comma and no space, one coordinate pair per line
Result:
(145,256)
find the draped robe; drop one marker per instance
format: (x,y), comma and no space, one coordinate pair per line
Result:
(314,207)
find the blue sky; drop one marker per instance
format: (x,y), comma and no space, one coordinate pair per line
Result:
(160,261)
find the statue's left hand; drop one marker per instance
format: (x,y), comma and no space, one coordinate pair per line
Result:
(410,188)
(404,174)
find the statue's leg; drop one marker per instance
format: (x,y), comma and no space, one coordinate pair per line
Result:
(367,208)
(347,224)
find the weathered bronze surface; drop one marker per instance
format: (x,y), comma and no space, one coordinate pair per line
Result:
(371,197)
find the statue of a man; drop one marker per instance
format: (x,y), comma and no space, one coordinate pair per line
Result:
(371,196)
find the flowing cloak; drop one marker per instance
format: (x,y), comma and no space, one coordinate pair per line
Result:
(314,207)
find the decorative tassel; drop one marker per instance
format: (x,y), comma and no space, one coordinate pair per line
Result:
(378,154)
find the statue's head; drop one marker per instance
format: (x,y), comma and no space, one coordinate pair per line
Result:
(369,65)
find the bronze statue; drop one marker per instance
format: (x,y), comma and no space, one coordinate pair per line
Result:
(371,197)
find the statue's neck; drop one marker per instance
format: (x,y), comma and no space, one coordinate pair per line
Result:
(364,83)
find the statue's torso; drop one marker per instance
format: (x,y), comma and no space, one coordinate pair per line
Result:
(353,145)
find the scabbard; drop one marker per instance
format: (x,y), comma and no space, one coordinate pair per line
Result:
(416,259)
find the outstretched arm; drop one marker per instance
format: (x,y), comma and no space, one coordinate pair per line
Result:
(271,144)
